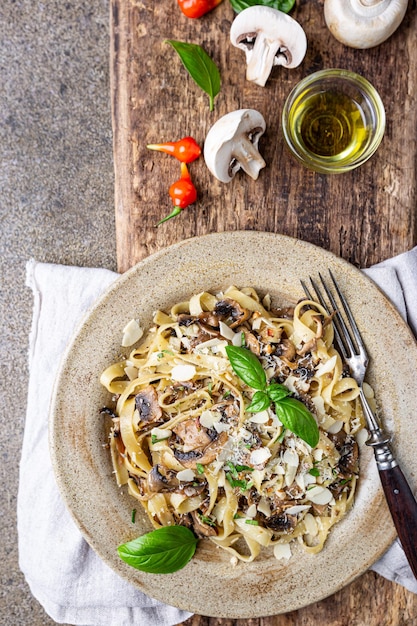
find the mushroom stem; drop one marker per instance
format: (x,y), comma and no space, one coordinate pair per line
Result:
(261,61)
(248,157)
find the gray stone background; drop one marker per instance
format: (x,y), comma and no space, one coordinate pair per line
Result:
(56,205)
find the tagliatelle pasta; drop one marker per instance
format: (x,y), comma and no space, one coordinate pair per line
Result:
(187,448)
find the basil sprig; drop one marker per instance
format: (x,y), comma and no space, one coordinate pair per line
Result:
(282,5)
(200,67)
(292,413)
(161,551)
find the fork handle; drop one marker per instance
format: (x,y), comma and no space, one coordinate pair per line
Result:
(403,508)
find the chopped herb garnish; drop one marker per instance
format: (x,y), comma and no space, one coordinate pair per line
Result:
(155,439)
(314,471)
(200,468)
(133,516)
(161,354)
(207,520)
(253,522)
(244,468)
(241,484)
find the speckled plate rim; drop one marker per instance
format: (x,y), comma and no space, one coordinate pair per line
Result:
(208,585)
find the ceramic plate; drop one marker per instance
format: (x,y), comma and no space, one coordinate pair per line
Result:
(209,585)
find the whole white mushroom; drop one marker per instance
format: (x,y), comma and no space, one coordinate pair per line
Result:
(363,23)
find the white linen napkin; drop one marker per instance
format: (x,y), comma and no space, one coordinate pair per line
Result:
(65,575)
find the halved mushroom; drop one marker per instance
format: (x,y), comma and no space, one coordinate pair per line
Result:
(363,23)
(232,144)
(269,37)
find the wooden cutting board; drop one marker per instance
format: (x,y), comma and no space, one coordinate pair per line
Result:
(364,216)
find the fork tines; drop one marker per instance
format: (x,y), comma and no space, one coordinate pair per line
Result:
(349,341)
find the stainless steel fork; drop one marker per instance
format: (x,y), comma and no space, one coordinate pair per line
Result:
(400,499)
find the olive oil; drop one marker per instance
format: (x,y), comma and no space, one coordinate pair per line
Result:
(333,121)
(329,124)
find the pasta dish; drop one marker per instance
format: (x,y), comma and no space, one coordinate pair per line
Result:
(200,445)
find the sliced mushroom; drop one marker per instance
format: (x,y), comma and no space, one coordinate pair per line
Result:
(192,435)
(363,23)
(201,528)
(230,310)
(160,479)
(268,37)
(146,403)
(205,456)
(232,144)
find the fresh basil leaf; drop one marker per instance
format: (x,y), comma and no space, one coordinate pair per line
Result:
(276,392)
(282,5)
(161,551)
(200,67)
(245,364)
(260,402)
(297,418)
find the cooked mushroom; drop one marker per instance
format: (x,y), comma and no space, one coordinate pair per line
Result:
(192,435)
(363,23)
(230,310)
(205,456)
(160,479)
(269,37)
(250,340)
(146,403)
(201,528)
(232,144)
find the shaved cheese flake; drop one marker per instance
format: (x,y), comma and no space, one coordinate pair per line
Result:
(264,507)
(319,495)
(161,433)
(212,344)
(251,512)
(209,418)
(282,551)
(291,458)
(183,372)
(238,340)
(296,509)
(259,456)
(186,475)
(132,332)
(290,475)
(226,331)
(259,418)
(362,437)
(335,427)
(221,427)
(328,366)
(131,372)
(319,404)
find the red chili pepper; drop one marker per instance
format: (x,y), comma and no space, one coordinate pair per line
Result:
(182,192)
(185,150)
(197,8)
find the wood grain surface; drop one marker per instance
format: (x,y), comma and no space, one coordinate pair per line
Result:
(364,216)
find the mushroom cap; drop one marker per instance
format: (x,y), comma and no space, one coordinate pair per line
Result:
(235,136)
(268,37)
(363,23)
